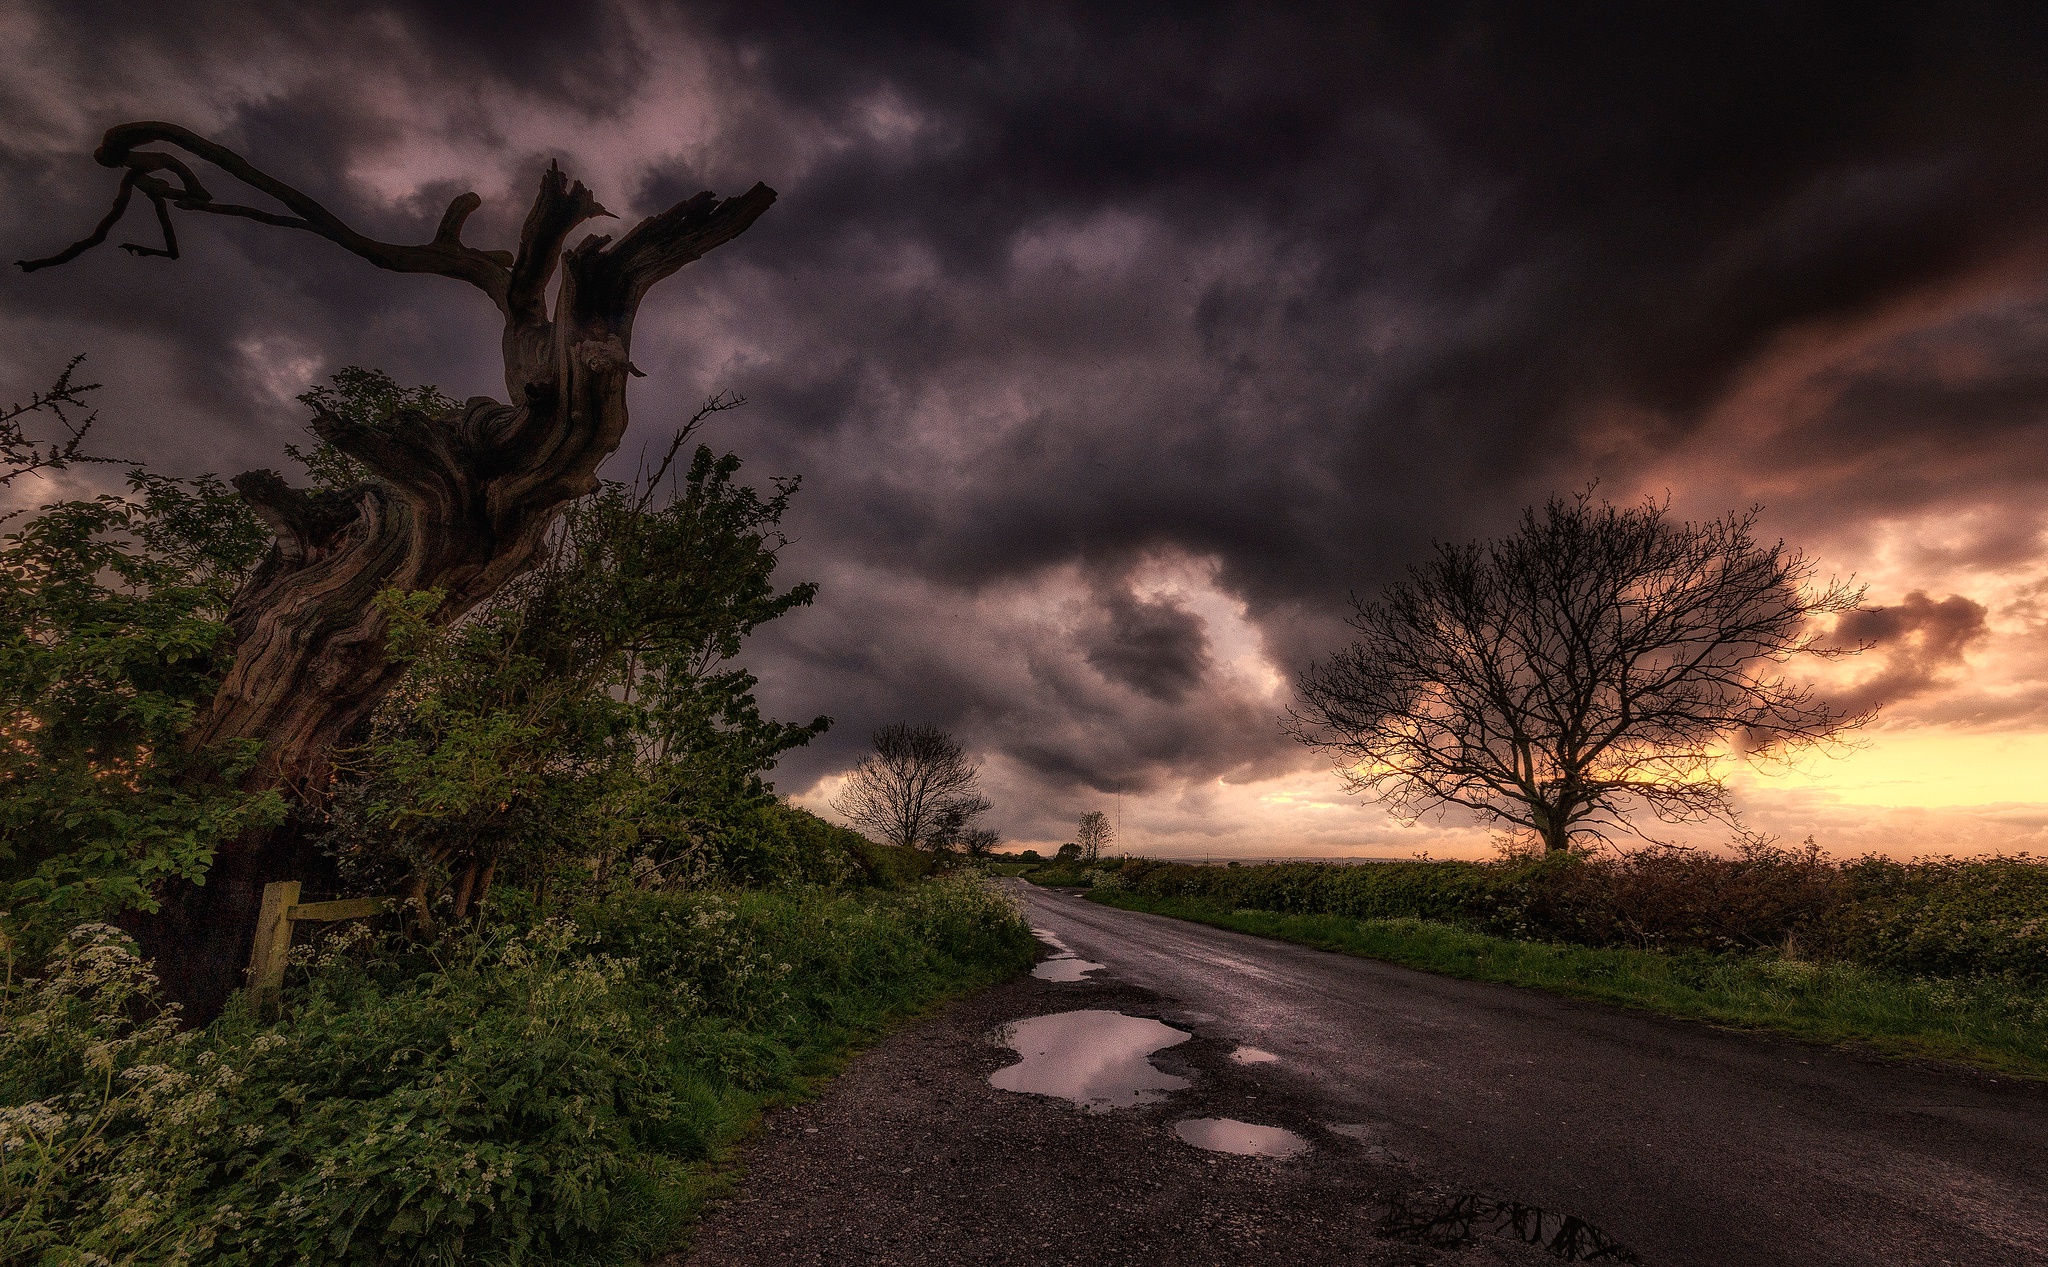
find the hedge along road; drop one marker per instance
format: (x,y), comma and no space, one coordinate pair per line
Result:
(1688,1143)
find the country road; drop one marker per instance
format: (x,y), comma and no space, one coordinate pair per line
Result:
(1686,1144)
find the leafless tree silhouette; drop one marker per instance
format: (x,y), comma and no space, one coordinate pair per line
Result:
(64,404)
(1094,834)
(1598,659)
(918,788)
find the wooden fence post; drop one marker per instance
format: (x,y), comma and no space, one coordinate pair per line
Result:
(273,944)
(273,949)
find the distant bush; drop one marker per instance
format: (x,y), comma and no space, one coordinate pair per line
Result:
(1446,891)
(1943,917)
(1663,897)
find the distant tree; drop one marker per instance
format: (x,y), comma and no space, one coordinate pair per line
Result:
(1069,852)
(1095,832)
(1598,659)
(980,842)
(917,788)
(1029,855)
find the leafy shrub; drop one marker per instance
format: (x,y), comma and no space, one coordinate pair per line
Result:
(1390,890)
(887,866)
(113,635)
(1948,916)
(492,1107)
(91,1062)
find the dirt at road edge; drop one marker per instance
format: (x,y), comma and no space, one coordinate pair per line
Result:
(910,1157)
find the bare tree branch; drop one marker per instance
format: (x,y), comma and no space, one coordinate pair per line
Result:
(22,453)
(489,271)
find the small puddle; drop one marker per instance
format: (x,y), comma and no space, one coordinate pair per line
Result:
(1246,1139)
(1253,1056)
(1064,965)
(1095,1059)
(1065,968)
(1449,1222)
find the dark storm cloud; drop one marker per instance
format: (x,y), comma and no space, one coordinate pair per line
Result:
(1058,292)
(1153,646)
(1919,643)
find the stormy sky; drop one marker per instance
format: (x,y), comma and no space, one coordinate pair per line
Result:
(1118,346)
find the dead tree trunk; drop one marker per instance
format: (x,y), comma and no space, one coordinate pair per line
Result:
(460,502)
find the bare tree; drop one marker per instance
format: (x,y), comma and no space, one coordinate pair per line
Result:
(1598,659)
(980,842)
(956,827)
(1095,832)
(458,501)
(918,788)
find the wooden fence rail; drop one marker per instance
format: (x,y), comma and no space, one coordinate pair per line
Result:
(274,919)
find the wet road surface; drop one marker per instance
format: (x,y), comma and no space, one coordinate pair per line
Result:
(1691,1145)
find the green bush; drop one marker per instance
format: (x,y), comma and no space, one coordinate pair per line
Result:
(530,1093)
(1948,916)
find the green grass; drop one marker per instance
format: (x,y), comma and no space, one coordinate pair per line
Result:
(1988,1023)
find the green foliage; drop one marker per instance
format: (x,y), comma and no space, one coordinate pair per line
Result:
(517,1088)
(590,714)
(89,1061)
(1948,916)
(545,1091)
(888,866)
(362,398)
(112,637)
(1421,890)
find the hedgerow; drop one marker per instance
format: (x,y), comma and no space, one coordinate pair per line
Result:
(1941,917)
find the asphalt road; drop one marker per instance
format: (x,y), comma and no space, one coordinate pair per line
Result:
(1690,1144)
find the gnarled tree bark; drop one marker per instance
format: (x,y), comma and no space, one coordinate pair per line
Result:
(459,502)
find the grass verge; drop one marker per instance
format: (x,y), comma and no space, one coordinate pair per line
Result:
(1989,1023)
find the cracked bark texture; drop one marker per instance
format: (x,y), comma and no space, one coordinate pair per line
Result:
(459,501)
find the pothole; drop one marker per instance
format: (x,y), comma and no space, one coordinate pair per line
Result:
(1067,968)
(1246,1139)
(1253,1056)
(1064,965)
(1452,1221)
(1095,1059)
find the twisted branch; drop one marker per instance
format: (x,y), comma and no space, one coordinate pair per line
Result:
(489,271)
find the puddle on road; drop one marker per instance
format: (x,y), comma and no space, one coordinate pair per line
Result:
(1450,1222)
(1064,965)
(1065,968)
(1253,1056)
(1246,1139)
(1096,1059)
